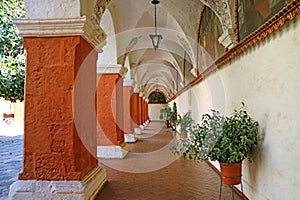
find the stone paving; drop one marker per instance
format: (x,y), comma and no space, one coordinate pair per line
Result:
(181,180)
(10,162)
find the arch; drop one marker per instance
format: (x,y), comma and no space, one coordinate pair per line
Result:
(109,54)
(152,71)
(157,97)
(222,11)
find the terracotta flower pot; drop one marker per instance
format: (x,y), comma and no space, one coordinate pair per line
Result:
(173,126)
(231,173)
(168,124)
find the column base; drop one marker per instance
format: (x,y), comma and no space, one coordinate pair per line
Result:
(142,127)
(112,151)
(130,137)
(138,131)
(87,188)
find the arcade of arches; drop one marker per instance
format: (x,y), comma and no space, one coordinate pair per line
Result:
(213,55)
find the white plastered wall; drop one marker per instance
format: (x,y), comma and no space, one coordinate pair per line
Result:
(267,78)
(154,111)
(109,55)
(52,9)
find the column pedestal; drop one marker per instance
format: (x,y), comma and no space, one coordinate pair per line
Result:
(113,151)
(138,131)
(89,187)
(130,137)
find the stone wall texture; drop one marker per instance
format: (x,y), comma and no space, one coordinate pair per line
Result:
(110,110)
(53,150)
(127,92)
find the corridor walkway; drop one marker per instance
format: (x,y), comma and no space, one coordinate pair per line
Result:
(173,178)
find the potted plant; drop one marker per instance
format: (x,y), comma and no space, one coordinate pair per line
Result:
(238,139)
(185,124)
(228,140)
(168,116)
(173,116)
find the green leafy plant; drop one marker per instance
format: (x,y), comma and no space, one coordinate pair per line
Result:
(185,123)
(12,57)
(239,137)
(173,114)
(202,139)
(218,138)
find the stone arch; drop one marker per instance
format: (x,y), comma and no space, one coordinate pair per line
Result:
(222,11)
(109,54)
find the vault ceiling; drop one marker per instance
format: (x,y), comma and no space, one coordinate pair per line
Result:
(177,21)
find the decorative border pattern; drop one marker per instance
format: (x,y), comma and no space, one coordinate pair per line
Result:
(289,12)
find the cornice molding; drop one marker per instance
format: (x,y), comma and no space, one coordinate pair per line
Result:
(81,26)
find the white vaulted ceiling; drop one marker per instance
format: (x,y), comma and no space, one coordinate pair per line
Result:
(133,21)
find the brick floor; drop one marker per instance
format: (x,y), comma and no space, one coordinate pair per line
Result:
(182,179)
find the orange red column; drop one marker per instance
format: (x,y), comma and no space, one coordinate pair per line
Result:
(110,134)
(147,111)
(135,112)
(134,102)
(127,93)
(140,115)
(57,147)
(129,135)
(143,111)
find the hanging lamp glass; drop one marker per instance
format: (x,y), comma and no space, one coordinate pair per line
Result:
(155,38)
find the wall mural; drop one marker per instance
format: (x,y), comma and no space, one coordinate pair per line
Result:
(157,97)
(253,13)
(210,31)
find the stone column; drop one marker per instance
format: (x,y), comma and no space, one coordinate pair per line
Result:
(134,112)
(143,111)
(146,112)
(140,119)
(59,154)
(129,134)
(110,134)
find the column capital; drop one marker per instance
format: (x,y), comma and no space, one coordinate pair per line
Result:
(109,69)
(77,26)
(227,39)
(136,90)
(127,82)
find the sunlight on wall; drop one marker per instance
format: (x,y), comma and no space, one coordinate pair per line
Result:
(266,78)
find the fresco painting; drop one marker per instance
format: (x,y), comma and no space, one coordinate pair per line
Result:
(210,31)
(253,13)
